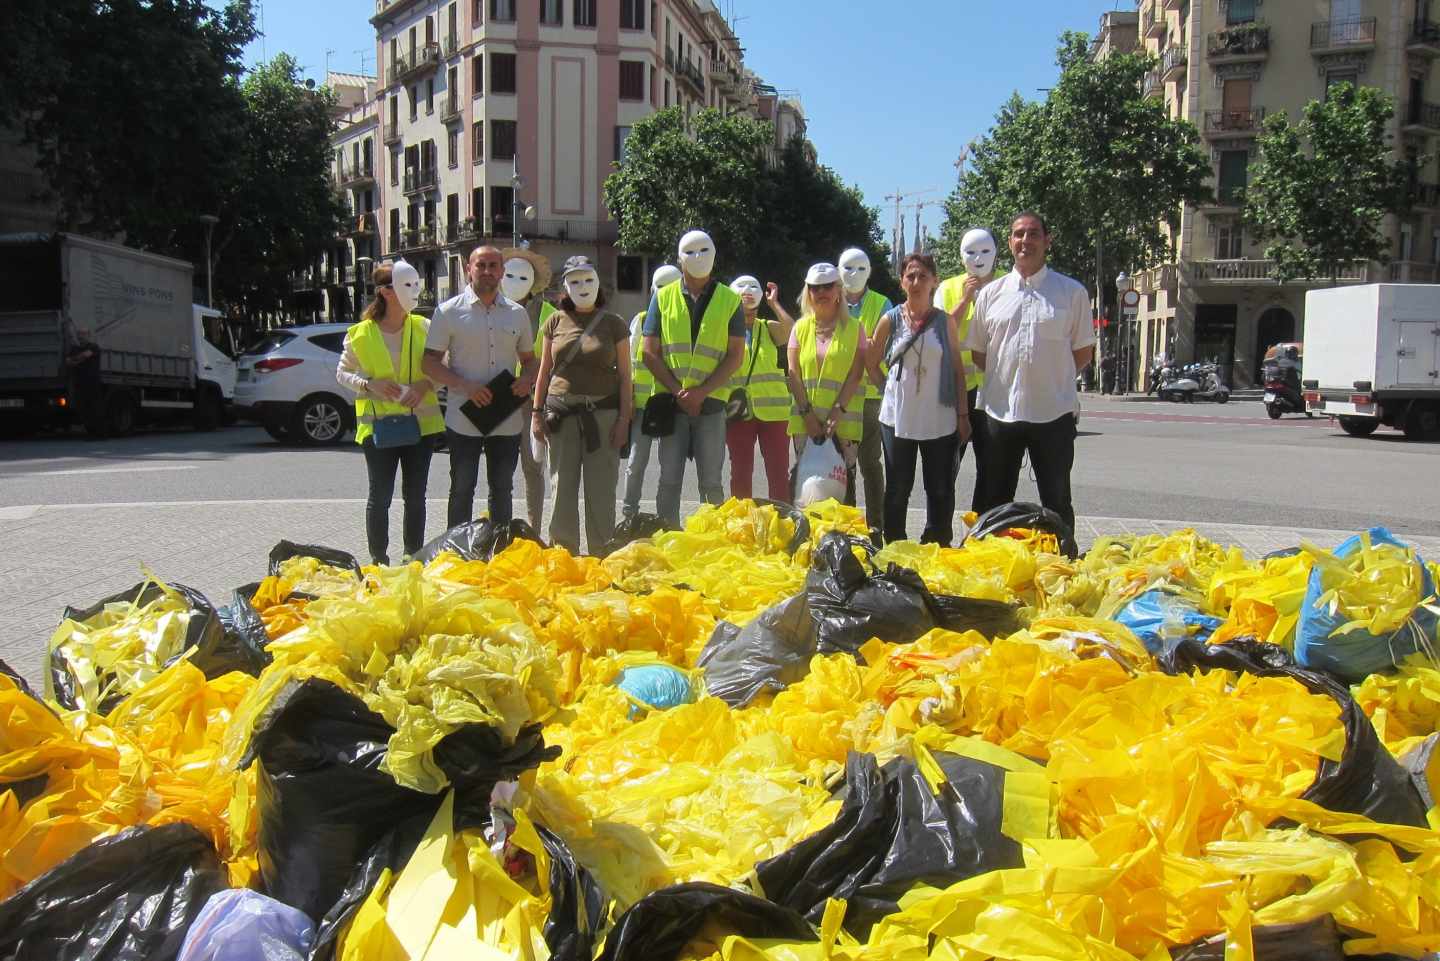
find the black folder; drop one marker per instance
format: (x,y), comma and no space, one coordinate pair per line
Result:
(503,403)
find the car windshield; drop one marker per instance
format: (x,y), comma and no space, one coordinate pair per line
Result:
(271,341)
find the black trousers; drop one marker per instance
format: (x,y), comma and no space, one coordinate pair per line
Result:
(1051,447)
(502,454)
(979,442)
(939,463)
(381,463)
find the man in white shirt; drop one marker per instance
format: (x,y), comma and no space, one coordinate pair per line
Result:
(1030,334)
(485,334)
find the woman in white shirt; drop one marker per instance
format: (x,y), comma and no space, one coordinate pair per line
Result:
(923,410)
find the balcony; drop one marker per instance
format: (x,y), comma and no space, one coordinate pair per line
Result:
(303,282)
(420,238)
(1423,195)
(1420,117)
(1156,279)
(465,230)
(452,46)
(1234,123)
(360,225)
(1154,22)
(392,132)
(1342,36)
(1152,86)
(1424,39)
(417,62)
(670,56)
(420,180)
(348,274)
(1173,63)
(1237,272)
(1411,272)
(356,175)
(1174,5)
(573,231)
(450,108)
(1241,43)
(690,74)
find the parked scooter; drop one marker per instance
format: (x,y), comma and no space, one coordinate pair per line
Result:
(1160,375)
(1196,382)
(1281,374)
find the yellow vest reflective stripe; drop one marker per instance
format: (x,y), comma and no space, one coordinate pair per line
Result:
(694,361)
(769,394)
(872,308)
(950,294)
(545,311)
(823,382)
(640,375)
(374,356)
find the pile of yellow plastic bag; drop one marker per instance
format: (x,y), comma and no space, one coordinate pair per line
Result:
(1151,810)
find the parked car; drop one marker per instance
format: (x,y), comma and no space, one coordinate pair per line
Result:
(286,383)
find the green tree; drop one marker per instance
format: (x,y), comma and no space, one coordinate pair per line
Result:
(1321,209)
(1103,164)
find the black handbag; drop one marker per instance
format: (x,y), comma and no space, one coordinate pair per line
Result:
(659,417)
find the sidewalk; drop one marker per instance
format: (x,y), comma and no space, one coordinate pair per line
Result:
(76,555)
(1247,395)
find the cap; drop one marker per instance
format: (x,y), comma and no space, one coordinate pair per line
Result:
(576,264)
(821,275)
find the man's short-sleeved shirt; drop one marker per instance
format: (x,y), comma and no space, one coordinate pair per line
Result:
(1029,329)
(482,341)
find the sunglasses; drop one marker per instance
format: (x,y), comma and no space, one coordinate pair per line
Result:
(830,286)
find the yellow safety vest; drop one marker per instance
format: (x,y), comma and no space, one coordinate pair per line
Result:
(545,311)
(872,308)
(769,395)
(951,292)
(824,382)
(368,343)
(640,376)
(693,362)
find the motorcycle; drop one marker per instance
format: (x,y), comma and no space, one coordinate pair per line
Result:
(1196,382)
(1160,375)
(1281,374)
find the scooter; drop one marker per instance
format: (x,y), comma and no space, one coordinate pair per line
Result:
(1160,375)
(1282,392)
(1196,382)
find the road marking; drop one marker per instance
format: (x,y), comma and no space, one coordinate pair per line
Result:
(103,470)
(21,513)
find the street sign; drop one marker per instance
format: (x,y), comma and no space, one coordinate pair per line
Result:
(1130,300)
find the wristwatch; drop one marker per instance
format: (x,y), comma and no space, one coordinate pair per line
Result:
(804,410)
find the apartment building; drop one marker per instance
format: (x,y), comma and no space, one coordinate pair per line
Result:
(1225,65)
(497,119)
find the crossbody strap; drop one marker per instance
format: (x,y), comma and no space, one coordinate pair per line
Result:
(565,360)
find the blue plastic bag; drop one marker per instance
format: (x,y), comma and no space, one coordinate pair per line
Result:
(244,925)
(659,686)
(1355,655)
(1156,614)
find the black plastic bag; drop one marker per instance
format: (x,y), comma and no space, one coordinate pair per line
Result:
(770,653)
(244,627)
(850,605)
(285,550)
(211,649)
(32,787)
(20,682)
(632,529)
(478,540)
(1317,940)
(324,802)
(661,924)
(1366,780)
(991,618)
(577,903)
(1020,514)
(128,897)
(392,851)
(892,833)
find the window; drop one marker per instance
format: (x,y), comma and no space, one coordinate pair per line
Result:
(667,92)
(394,56)
(502,9)
(1239,11)
(1435,246)
(453,148)
(632,14)
(502,73)
(654,26)
(652,85)
(1229,240)
(477,16)
(502,200)
(430,95)
(452,216)
(552,12)
(632,80)
(429,31)
(629,273)
(394,229)
(335,343)
(394,168)
(414,103)
(477,141)
(584,13)
(1337,77)
(622,134)
(1234,175)
(477,204)
(477,72)
(502,140)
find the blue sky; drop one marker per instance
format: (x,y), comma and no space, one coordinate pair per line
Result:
(891,99)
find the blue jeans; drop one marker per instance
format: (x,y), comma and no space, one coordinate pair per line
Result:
(704,438)
(381,463)
(640,446)
(502,454)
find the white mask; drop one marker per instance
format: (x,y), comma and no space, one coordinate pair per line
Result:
(697,254)
(583,287)
(977,247)
(519,279)
(749,290)
(405,279)
(665,275)
(854,270)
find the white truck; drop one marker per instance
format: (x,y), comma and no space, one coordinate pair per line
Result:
(156,361)
(1372,357)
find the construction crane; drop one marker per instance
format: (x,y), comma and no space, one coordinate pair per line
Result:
(897,237)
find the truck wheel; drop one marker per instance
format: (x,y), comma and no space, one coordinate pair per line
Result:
(1223,397)
(1274,411)
(120,413)
(207,411)
(318,421)
(1422,421)
(1359,426)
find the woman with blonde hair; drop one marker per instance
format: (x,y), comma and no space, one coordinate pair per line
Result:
(396,410)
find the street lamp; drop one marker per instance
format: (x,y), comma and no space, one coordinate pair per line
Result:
(209,220)
(362,272)
(1123,285)
(516,182)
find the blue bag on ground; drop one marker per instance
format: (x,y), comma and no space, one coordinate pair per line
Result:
(1354,655)
(1149,614)
(244,925)
(658,685)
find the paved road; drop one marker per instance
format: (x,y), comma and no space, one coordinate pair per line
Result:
(78,518)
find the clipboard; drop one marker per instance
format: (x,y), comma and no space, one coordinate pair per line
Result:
(503,403)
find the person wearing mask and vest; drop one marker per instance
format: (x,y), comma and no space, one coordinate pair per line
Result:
(694,341)
(956,296)
(867,306)
(527,276)
(826,370)
(381,365)
(759,405)
(641,443)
